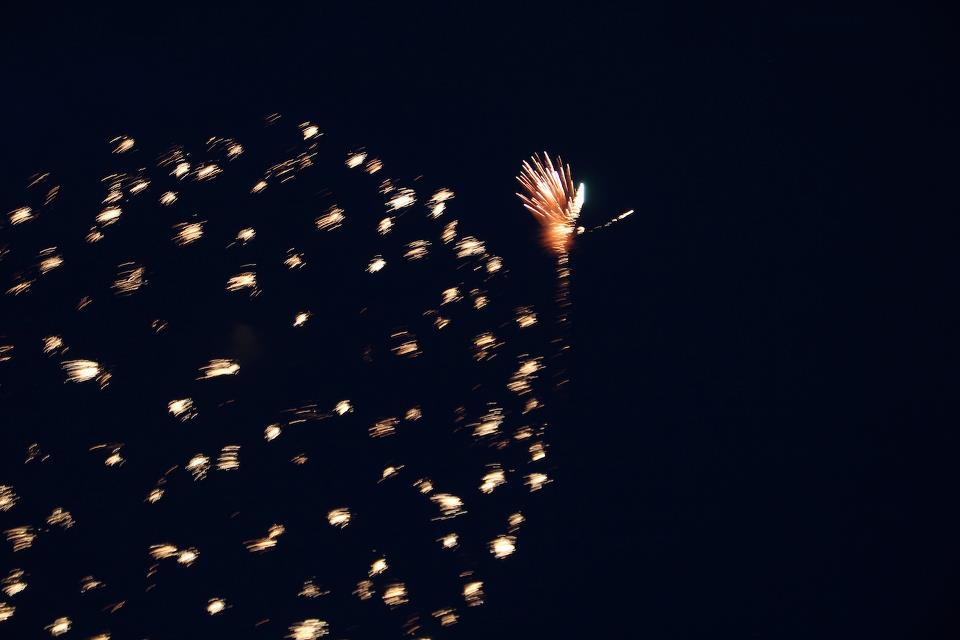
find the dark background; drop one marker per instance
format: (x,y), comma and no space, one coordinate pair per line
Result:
(762,387)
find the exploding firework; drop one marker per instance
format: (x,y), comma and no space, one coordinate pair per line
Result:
(220,342)
(552,198)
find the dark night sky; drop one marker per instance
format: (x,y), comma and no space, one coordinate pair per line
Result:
(761,414)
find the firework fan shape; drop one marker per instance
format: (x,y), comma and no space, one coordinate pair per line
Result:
(262,388)
(552,198)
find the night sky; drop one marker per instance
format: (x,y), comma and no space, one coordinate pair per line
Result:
(757,439)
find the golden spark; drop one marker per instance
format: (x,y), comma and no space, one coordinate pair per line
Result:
(339,517)
(301,318)
(182,409)
(331,220)
(219,367)
(21,215)
(188,232)
(377,567)
(502,546)
(395,594)
(450,505)
(309,629)
(59,626)
(245,280)
(450,541)
(8,497)
(355,159)
(108,216)
(216,605)
(122,144)
(473,593)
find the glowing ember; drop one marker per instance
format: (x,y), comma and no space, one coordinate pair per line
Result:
(219,367)
(309,629)
(339,517)
(59,626)
(395,594)
(20,215)
(187,232)
(8,498)
(378,567)
(502,546)
(182,409)
(216,605)
(331,220)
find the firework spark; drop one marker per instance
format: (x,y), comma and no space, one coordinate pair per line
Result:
(339,517)
(198,466)
(331,220)
(108,216)
(162,551)
(187,557)
(21,215)
(450,541)
(259,545)
(272,432)
(84,371)
(8,497)
(122,144)
(417,250)
(377,567)
(229,458)
(309,629)
(301,318)
(59,626)
(246,280)
(438,202)
(395,595)
(492,479)
(450,505)
(61,518)
(356,159)
(89,583)
(402,198)
(14,583)
(53,344)
(216,605)
(473,593)
(21,538)
(50,260)
(188,232)
(129,279)
(502,546)
(246,235)
(219,367)
(182,409)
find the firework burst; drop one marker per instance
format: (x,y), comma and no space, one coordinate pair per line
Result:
(420,415)
(553,199)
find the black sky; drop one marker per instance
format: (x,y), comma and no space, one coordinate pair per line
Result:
(761,416)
